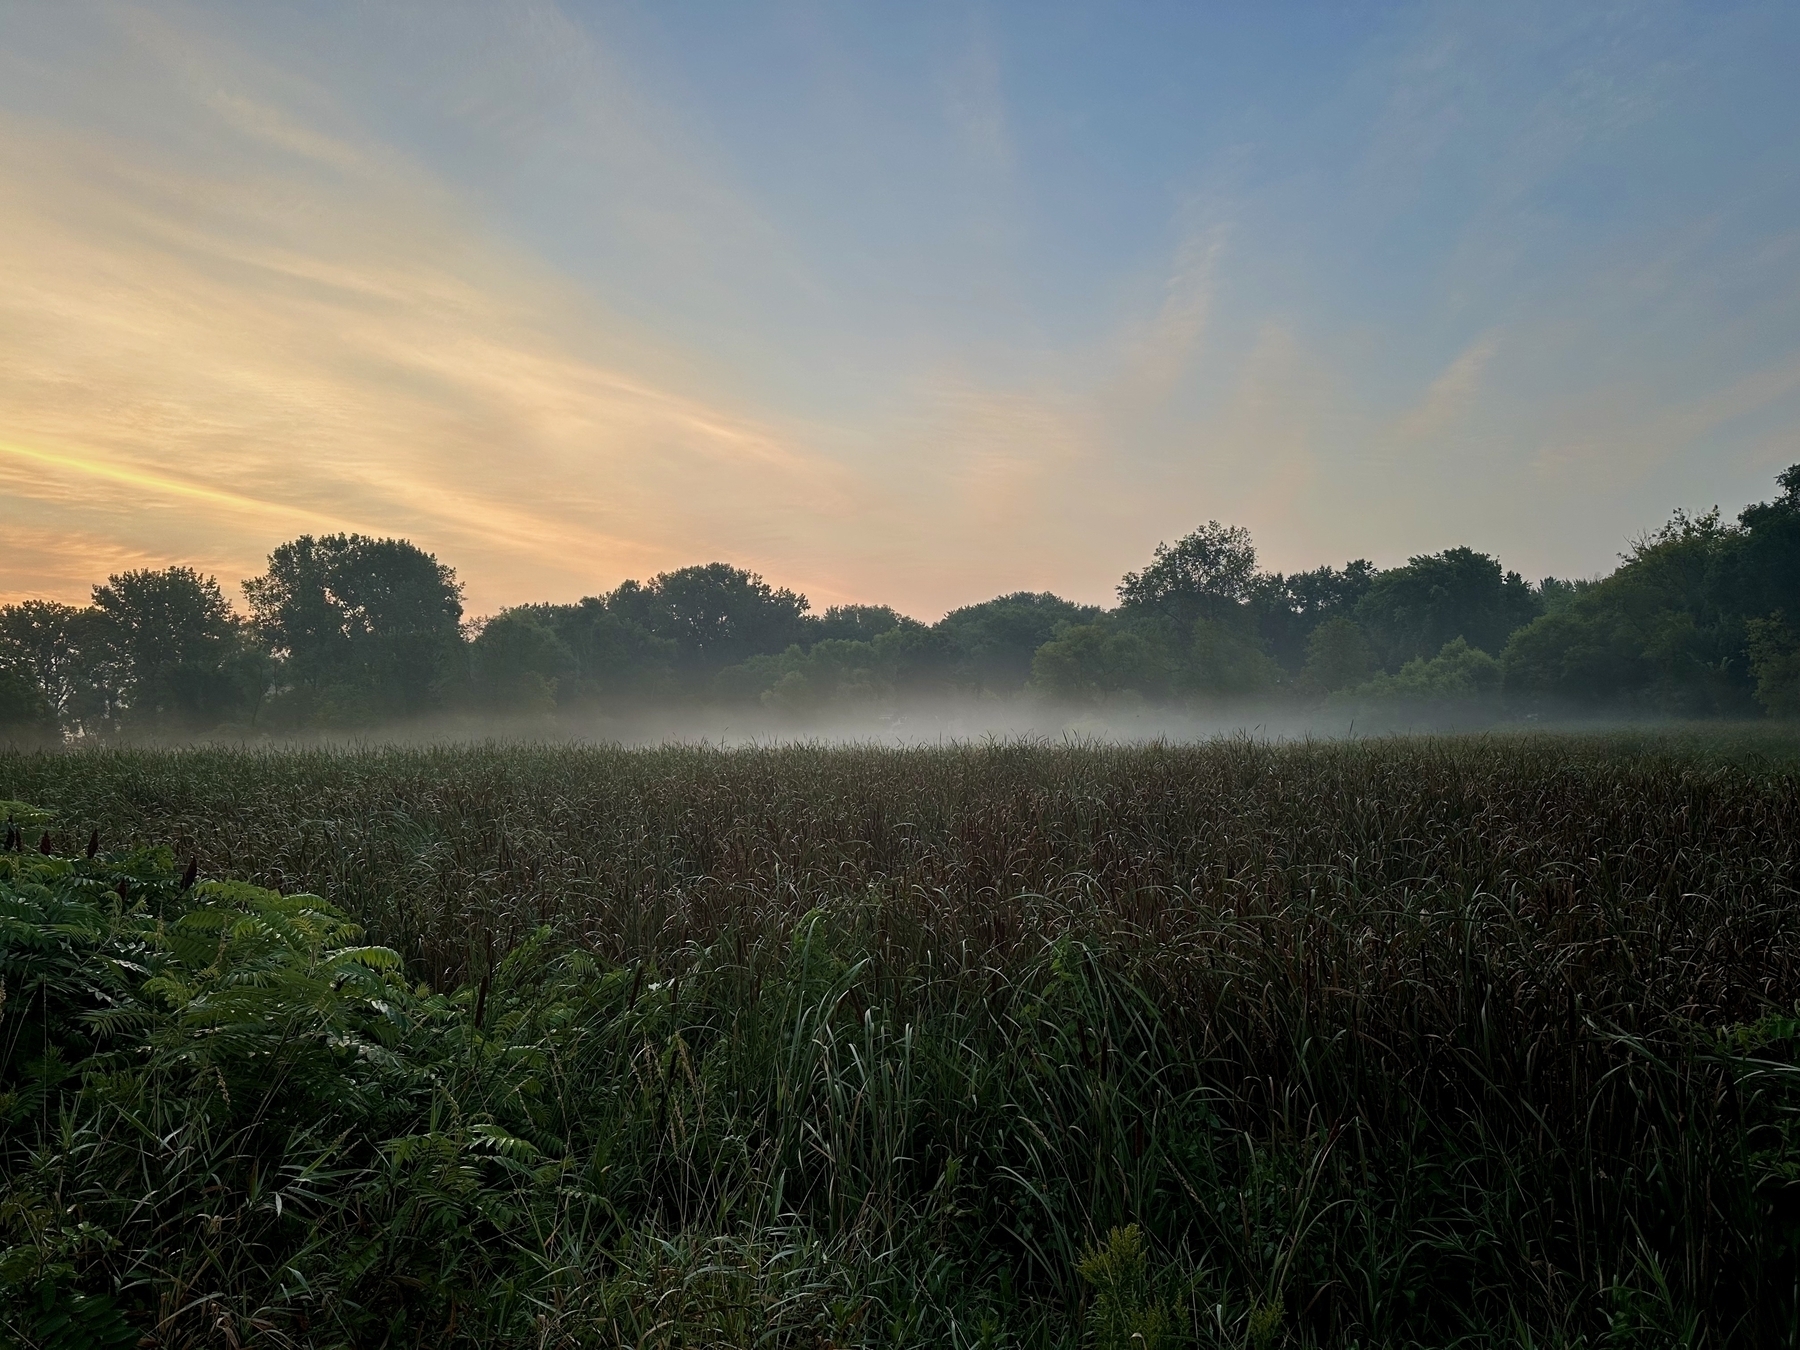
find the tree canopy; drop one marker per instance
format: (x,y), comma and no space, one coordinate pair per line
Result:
(1701,618)
(1206,574)
(714,615)
(1410,612)
(177,661)
(991,645)
(363,626)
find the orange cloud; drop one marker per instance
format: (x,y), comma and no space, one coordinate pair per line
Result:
(321,340)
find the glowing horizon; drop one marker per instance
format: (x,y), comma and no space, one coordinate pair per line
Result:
(902,309)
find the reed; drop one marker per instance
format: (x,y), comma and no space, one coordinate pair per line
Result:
(1483,1041)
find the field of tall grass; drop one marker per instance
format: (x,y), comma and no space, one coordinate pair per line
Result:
(1465,1041)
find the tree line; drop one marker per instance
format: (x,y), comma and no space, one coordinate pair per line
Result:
(1700,619)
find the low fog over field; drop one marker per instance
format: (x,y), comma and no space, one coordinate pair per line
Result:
(997,674)
(346,636)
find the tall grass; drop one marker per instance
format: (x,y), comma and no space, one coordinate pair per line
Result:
(1481,1041)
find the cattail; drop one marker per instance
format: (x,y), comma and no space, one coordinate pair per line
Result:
(93,843)
(44,844)
(193,870)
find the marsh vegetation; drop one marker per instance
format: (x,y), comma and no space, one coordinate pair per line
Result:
(1484,1041)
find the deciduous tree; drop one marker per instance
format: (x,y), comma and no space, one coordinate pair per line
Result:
(369,627)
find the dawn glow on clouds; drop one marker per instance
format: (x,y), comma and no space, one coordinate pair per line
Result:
(913,305)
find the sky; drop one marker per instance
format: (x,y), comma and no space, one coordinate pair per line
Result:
(912,304)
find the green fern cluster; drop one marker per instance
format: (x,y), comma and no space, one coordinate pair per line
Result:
(227,1118)
(172,1032)
(226,994)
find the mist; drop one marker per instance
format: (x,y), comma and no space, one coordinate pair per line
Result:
(557,373)
(359,637)
(998,674)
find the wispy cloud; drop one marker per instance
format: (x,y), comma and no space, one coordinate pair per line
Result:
(483,276)
(332,342)
(1448,401)
(1613,427)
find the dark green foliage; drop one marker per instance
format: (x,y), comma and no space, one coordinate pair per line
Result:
(919,662)
(1410,612)
(1759,572)
(1288,609)
(25,714)
(365,628)
(176,658)
(1200,622)
(856,623)
(540,657)
(1689,624)
(1455,687)
(1775,664)
(835,673)
(54,1315)
(517,662)
(1556,595)
(1206,575)
(66,654)
(1222,629)
(157,653)
(614,658)
(1478,1042)
(715,615)
(901,665)
(1090,661)
(355,632)
(991,646)
(171,632)
(1225,658)
(1338,655)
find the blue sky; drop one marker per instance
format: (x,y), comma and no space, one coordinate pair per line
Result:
(908,303)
